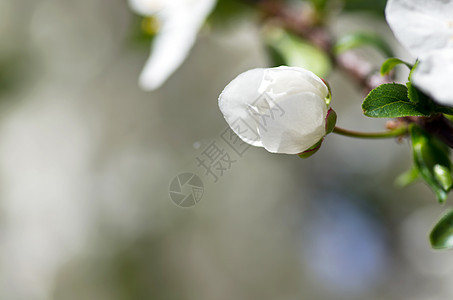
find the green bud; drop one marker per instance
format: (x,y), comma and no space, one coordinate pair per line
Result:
(431,158)
(443,176)
(441,236)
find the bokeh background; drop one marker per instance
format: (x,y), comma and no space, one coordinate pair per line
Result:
(86,159)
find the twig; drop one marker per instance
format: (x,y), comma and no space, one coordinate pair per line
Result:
(305,26)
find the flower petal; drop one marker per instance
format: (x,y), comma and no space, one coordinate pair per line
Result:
(146,7)
(180,25)
(434,74)
(236,103)
(421,25)
(292,80)
(301,126)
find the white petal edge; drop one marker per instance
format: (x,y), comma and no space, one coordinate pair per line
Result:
(151,7)
(235,102)
(146,7)
(434,75)
(293,80)
(173,43)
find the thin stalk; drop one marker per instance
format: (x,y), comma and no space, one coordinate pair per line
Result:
(371,135)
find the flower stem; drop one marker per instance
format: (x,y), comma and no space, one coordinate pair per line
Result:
(372,135)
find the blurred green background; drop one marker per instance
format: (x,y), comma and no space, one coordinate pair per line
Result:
(86,159)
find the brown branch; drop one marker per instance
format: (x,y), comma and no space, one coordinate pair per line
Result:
(306,25)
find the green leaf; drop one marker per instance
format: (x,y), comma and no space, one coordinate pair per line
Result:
(391,63)
(413,69)
(287,49)
(320,11)
(441,236)
(319,5)
(445,110)
(407,178)
(375,6)
(423,102)
(227,12)
(360,39)
(449,117)
(390,100)
(448,111)
(415,95)
(432,160)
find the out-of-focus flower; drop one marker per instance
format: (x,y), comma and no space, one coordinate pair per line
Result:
(434,75)
(421,25)
(425,28)
(180,22)
(281,109)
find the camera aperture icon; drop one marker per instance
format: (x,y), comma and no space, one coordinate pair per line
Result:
(186,190)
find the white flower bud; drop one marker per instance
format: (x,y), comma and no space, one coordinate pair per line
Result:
(281,109)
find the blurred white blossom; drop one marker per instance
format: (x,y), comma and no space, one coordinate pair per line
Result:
(434,73)
(180,21)
(281,109)
(425,28)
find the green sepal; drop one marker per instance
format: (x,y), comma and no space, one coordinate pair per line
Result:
(441,236)
(391,63)
(390,100)
(331,120)
(312,150)
(360,39)
(428,152)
